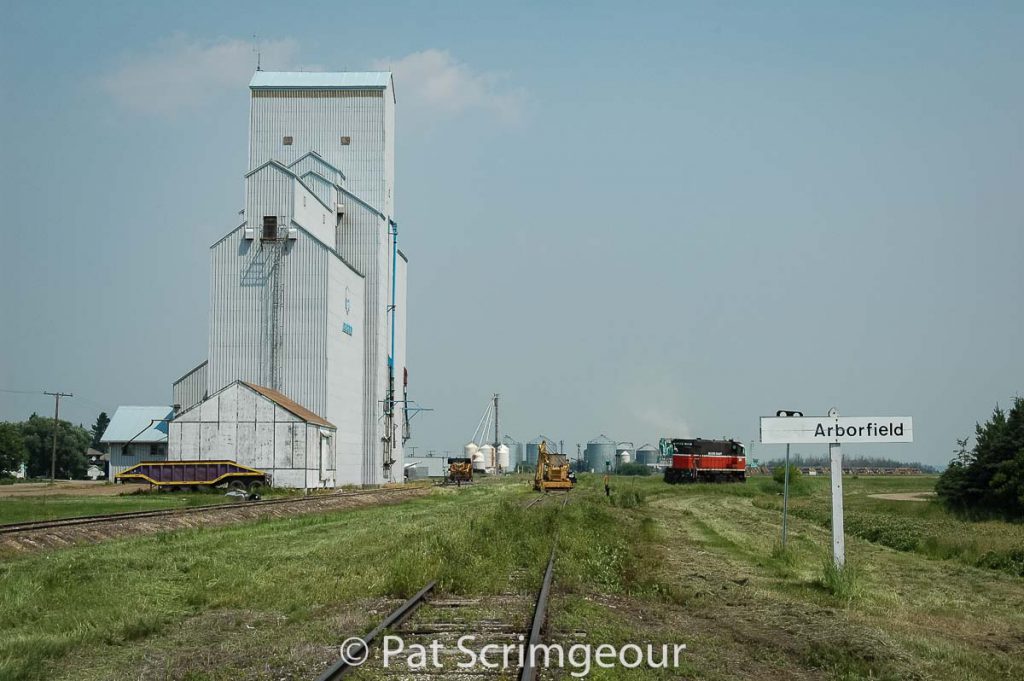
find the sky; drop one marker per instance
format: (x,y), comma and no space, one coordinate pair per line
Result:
(641,220)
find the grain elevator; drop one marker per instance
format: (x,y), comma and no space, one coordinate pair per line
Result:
(307,295)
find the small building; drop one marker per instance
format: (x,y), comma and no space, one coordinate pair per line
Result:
(264,429)
(136,434)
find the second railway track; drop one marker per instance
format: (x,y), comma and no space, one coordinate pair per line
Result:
(32,535)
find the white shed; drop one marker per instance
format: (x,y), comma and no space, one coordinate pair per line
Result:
(261,428)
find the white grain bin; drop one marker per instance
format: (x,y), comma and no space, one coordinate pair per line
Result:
(478,462)
(504,458)
(487,454)
(470,449)
(624,456)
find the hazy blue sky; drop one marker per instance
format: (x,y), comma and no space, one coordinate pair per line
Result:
(634,219)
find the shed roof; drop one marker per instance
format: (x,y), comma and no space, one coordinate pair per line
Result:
(291,405)
(303,80)
(138,424)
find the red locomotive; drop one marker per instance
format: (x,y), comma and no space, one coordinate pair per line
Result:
(700,460)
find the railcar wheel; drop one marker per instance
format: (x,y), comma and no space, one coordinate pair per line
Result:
(236,484)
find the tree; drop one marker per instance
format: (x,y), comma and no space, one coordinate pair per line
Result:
(779,474)
(98,428)
(72,441)
(989,479)
(12,448)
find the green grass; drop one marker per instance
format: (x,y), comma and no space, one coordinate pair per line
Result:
(54,605)
(923,527)
(51,507)
(694,564)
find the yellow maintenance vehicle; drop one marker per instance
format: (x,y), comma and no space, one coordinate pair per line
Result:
(553,471)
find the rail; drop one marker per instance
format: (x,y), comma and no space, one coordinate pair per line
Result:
(360,650)
(29,525)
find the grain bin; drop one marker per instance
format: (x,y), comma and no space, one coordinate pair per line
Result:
(600,454)
(533,447)
(647,454)
(515,455)
(487,456)
(504,458)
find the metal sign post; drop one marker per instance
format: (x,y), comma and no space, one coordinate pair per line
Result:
(785,485)
(785,500)
(787,428)
(838,538)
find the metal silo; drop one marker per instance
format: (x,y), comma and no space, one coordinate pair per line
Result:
(647,454)
(623,453)
(600,454)
(533,446)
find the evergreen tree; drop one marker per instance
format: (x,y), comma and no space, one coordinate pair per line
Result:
(98,428)
(989,479)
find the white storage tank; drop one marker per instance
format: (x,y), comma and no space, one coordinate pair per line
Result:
(470,450)
(504,458)
(478,463)
(487,455)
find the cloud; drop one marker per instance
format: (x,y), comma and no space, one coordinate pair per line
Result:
(182,73)
(436,85)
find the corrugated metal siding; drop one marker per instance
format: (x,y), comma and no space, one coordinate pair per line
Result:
(190,389)
(316,164)
(268,191)
(241,425)
(322,188)
(388,206)
(316,120)
(345,369)
(318,219)
(245,343)
(362,241)
(123,457)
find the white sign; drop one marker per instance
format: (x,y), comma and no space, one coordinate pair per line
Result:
(802,430)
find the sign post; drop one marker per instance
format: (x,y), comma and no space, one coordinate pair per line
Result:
(785,484)
(834,430)
(835,455)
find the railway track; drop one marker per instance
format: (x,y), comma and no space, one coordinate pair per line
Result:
(17,538)
(508,621)
(9,528)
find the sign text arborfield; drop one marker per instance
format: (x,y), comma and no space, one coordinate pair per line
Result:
(870,430)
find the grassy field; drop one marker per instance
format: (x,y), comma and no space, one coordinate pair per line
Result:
(50,507)
(655,563)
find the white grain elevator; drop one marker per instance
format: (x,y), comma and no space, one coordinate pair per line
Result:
(307,295)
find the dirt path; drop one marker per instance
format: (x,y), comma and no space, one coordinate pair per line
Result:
(904,496)
(78,488)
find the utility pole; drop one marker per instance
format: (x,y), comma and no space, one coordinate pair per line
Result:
(497,438)
(56,417)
